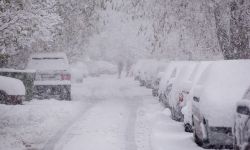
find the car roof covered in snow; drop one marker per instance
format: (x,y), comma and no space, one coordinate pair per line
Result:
(49,55)
(12,86)
(48,61)
(222,84)
(14,70)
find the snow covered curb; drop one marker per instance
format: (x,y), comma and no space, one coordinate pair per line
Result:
(146,114)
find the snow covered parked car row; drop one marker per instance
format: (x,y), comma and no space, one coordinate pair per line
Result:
(204,95)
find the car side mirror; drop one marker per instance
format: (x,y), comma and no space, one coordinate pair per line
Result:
(243,110)
(196,99)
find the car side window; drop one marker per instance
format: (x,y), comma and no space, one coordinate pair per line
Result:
(243,110)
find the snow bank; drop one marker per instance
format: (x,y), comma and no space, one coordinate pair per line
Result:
(12,86)
(169,134)
(222,85)
(155,130)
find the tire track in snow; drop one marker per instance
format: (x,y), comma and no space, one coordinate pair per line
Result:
(133,104)
(50,145)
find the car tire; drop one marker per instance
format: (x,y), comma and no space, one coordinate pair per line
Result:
(3,97)
(160,98)
(204,144)
(66,94)
(235,145)
(196,139)
(188,128)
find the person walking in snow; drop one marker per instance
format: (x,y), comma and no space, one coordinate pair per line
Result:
(120,68)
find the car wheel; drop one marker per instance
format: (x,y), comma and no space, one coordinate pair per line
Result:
(66,94)
(188,128)
(235,145)
(3,97)
(160,98)
(196,139)
(202,143)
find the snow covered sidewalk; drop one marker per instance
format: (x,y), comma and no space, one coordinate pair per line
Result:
(157,131)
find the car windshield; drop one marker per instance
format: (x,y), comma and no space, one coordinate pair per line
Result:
(48,63)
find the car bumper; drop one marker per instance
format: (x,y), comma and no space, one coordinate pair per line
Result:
(52,91)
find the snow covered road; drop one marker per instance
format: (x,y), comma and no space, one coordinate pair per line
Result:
(106,114)
(110,123)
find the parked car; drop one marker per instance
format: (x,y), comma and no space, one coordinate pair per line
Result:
(242,123)
(156,84)
(181,85)
(26,76)
(146,70)
(12,91)
(188,98)
(215,95)
(166,83)
(53,78)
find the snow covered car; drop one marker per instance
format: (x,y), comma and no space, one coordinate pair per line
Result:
(188,98)
(145,71)
(242,123)
(215,95)
(156,84)
(53,78)
(181,88)
(164,86)
(12,91)
(26,76)
(171,77)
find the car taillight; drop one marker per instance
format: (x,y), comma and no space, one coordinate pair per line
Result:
(181,98)
(65,77)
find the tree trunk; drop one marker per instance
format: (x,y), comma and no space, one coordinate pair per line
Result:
(222,32)
(239,40)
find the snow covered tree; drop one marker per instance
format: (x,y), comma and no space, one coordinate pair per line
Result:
(26,26)
(239,30)
(79,19)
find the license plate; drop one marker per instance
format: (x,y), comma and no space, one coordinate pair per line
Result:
(48,76)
